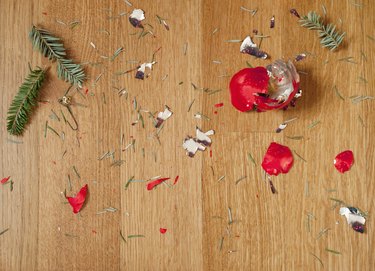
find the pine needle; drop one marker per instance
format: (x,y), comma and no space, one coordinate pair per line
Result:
(24,102)
(52,48)
(329,37)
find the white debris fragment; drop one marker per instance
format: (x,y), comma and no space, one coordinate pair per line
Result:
(192,146)
(249,47)
(204,137)
(142,68)
(247,42)
(352,215)
(163,116)
(202,140)
(136,18)
(281,127)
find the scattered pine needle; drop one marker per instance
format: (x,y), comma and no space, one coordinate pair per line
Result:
(338,93)
(333,251)
(317,258)
(251,158)
(312,125)
(299,156)
(322,232)
(135,236)
(241,179)
(4,231)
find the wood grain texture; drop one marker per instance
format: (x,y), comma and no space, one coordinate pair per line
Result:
(269,232)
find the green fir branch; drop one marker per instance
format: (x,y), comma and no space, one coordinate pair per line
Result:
(70,72)
(24,102)
(52,48)
(329,37)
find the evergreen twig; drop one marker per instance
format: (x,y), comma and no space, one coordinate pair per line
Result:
(329,37)
(52,48)
(24,102)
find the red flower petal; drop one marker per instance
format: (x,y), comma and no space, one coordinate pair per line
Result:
(344,161)
(152,184)
(78,201)
(176,179)
(4,180)
(278,159)
(162,231)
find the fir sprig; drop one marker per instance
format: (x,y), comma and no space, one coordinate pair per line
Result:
(24,102)
(329,37)
(52,47)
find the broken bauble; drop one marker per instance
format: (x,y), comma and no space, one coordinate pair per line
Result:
(265,88)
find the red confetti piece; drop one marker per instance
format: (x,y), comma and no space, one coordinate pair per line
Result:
(162,230)
(5,180)
(176,179)
(344,161)
(219,105)
(152,184)
(86,91)
(78,201)
(278,159)
(210,153)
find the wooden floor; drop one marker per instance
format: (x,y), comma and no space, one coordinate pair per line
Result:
(286,231)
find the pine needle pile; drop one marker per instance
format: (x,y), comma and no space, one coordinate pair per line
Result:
(24,102)
(329,37)
(52,48)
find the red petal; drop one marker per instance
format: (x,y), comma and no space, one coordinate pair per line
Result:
(78,201)
(278,159)
(162,231)
(4,180)
(344,161)
(152,184)
(176,179)
(244,84)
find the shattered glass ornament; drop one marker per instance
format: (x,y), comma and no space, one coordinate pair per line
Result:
(265,88)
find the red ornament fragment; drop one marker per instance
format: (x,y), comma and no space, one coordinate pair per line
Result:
(78,201)
(263,89)
(278,159)
(152,184)
(344,161)
(176,179)
(5,180)
(162,230)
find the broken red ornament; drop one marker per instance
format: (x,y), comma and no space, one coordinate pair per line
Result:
(278,159)
(344,161)
(78,201)
(176,179)
(265,88)
(154,183)
(162,230)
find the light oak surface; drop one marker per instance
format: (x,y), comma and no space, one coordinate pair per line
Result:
(269,231)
